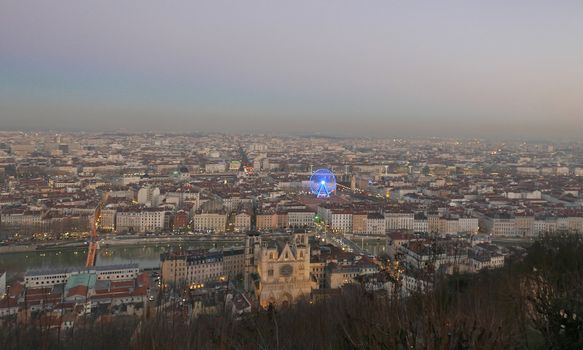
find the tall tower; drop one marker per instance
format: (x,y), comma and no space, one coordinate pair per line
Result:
(300,239)
(252,248)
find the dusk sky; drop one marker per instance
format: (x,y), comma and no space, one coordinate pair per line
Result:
(364,68)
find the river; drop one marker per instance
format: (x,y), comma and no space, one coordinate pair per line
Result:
(146,256)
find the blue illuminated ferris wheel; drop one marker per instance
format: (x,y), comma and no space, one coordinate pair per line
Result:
(322,183)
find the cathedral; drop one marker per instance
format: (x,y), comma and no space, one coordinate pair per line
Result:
(278,271)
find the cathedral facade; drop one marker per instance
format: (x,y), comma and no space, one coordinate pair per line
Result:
(279,270)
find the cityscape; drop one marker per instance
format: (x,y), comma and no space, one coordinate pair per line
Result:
(231,224)
(291,175)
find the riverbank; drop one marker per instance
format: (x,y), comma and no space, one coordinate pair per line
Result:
(123,242)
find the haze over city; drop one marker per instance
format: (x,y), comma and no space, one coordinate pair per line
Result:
(376,68)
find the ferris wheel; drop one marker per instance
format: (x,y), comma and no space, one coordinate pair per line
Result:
(323,183)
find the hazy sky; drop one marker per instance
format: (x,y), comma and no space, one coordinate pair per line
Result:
(363,67)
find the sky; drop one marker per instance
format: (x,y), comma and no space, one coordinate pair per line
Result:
(348,68)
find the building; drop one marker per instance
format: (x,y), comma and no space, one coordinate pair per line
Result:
(448,226)
(485,261)
(128,220)
(219,167)
(204,267)
(18,218)
(78,287)
(394,242)
(200,266)
(318,270)
(47,289)
(375,224)
(52,277)
(423,255)
(484,256)
(89,290)
(149,196)
(338,275)
(215,222)
(359,223)
(381,281)
(232,202)
(525,225)
(399,221)
(233,262)
(341,221)
(416,281)
(173,267)
(468,225)
(420,225)
(8,306)
(242,222)
(300,218)
(140,220)
(2,284)
(116,272)
(234,165)
(153,220)
(500,225)
(433,223)
(107,221)
(282,270)
(265,221)
(180,220)
(46,278)
(281,220)
(541,227)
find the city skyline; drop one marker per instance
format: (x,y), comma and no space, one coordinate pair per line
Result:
(291,175)
(495,70)
(177,230)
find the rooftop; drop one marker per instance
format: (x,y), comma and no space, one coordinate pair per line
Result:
(83,279)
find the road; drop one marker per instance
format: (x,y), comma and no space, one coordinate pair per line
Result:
(339,241)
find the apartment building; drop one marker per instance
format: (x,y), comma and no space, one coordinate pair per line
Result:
(375,224)
(242,222)
(205,267)
(300,218)
(359,224)
(216,222)
(233,262)
(265,221)
(341,221)
(399,221)
(140,220)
